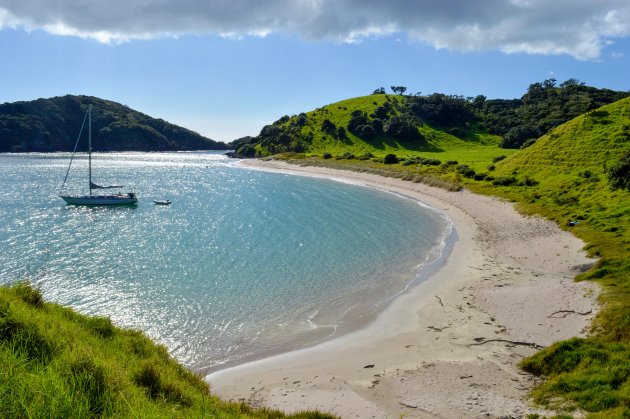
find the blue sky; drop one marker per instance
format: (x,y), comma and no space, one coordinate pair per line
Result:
(227,71)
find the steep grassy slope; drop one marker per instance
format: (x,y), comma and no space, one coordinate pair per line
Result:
(55,363)
(54,124)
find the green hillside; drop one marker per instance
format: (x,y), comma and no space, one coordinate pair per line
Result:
(579,176)
(54,124)
(339,128)
(446,126)
(56,363)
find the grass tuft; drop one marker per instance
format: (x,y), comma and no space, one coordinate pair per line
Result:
(28,294)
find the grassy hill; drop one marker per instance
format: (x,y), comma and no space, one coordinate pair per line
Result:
(563,176)
(327,130)
(54,125)
(444,125)
(56,363)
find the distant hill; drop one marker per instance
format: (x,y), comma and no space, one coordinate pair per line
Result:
(54,124)
(381,123)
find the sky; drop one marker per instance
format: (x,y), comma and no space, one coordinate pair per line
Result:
(226,68)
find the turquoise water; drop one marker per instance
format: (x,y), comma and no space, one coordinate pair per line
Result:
(243,263)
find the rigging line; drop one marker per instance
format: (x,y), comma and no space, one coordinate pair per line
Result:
(73,152)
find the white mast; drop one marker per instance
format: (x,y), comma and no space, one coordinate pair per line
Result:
(90,148)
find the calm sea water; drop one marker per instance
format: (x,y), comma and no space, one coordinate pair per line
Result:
(242,264)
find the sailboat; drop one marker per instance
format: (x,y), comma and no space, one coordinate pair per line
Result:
(95,199)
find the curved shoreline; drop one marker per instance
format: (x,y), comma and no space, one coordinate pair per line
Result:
(440,347)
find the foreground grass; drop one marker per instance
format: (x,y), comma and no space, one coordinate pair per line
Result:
(562,177)
(57,363)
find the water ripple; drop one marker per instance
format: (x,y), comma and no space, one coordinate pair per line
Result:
(241,264)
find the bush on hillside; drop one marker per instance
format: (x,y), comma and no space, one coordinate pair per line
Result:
(430,162)
(357,121)
(619,174)
(404,129)
(390,159)
(367,132)
(377,125)
(504,181)
(329,127)
(380,113)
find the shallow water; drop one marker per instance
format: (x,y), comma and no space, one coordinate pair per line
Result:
(242,264)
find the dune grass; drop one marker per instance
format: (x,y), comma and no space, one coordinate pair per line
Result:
(57,363)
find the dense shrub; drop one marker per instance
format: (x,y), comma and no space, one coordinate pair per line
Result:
(461,168)
(504,181)
(469,173)
(380,113)
(346,156)
(529,182)
(328,127)
(301,119)
(619,174)
(390,159)
(367,132)
(498,158)
(430,162)
(403,129)
(326,155)
(377,125)
(365,156)
(356,122)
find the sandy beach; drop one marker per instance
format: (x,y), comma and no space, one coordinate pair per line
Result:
(448,347)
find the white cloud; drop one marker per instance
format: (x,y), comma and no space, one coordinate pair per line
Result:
(577,28)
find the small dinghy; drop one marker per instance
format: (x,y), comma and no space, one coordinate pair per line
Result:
(162,202)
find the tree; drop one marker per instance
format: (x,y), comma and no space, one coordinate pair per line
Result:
(379,91)
(403,128)
(619,174)
(572,82)
(549,83)
(399,89)
(380,112)
(367,132)
(356,122)
(328,126)
(377,125)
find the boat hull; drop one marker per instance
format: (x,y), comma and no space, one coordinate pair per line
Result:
(127,199)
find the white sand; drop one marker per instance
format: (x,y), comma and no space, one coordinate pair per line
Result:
(503,280)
